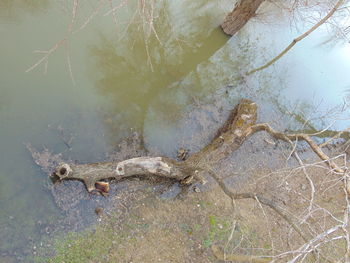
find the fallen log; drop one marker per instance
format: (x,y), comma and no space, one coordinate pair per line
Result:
(228,139)
(240,124)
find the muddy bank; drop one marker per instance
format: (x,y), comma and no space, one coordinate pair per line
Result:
(139,212)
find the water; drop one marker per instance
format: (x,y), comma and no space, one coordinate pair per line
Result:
(175,90)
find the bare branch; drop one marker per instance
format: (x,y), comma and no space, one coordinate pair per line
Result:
(303,137)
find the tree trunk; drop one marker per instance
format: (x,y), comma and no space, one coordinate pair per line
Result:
(240,15)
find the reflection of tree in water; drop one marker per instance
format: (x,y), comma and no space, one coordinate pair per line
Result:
(132,71)
(13,9)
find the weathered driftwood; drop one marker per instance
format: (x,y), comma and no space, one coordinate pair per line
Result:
(229,138)
(92,174)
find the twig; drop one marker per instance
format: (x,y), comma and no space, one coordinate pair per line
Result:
(346,219)
(310,246)
(312,186)
(267,223)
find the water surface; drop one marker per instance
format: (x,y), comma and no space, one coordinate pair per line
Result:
(174,89)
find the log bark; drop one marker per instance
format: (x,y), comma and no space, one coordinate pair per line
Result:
(91,174)
(229,137)
(240,15)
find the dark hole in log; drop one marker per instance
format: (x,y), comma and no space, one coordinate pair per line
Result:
(63,171)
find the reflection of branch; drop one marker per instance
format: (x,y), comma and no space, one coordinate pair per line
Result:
(69,64)
(296,40)
(64,41)
(115,8)
(297,116)
(47,54)
(58,44)
(74,15)
(93,13)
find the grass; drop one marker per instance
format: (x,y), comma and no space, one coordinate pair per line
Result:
(81,248)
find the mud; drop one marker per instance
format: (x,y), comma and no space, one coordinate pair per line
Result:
(142,215)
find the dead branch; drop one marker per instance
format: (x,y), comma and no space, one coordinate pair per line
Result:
(299,137)
(303,137)
(313,243)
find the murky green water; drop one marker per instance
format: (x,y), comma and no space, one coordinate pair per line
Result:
(170,88)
